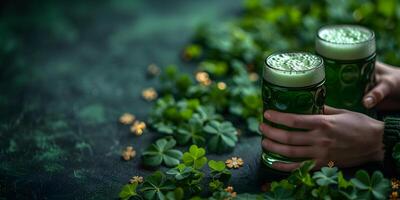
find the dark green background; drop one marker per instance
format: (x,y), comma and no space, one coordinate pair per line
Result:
(68,70)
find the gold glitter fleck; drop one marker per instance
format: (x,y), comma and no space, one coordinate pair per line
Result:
(128,153)
(203,78)
(153,70)
(136,179)
(331,164)
(138,127)
(127,118)
(253,76)
(221,85)
(149,94)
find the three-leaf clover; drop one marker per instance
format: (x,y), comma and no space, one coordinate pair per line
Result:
(161,151)
(192,131)
(326,176)
(128,191)
(219,171)
(156,186)
(376,186)
(223,136)
(195,157)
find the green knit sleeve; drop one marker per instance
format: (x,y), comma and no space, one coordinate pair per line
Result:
(391,134)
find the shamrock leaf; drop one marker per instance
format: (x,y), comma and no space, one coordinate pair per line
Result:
(342,182)
(223,136)
(280,193)
(253,124)
(371,187)
(192,131)
(128,191)
(215,185)
(177,194)
(218,166)
(161,151)
(302,174)
(219,171)
(195,157)
(326,176)
(156,185)
(164,128)
(180,172)
(247,196)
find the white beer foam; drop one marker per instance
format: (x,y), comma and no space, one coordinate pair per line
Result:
(345,42)
(294,69)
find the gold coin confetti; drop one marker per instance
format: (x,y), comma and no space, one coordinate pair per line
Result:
(230,190)
(138,127)
(127,118)
(394,195)
(203,78)
(221,85)
(234,162)
(331,164)
(149,94)
(128,153)
(253,76)
(136,179)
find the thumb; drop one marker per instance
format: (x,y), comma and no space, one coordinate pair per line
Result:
(331,110)
(376,95)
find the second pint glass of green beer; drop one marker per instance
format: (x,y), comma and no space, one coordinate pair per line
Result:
(293,82)
(349,57)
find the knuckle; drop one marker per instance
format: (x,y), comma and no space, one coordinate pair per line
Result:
(391,82)
(325,122)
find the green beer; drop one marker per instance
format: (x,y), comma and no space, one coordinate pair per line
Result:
(293,82)
(349,57)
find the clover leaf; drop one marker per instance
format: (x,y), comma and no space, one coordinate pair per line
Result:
(161,152)
(280,193)
(195,157)
(128,191)
(253,124)
(156,186)
(326,176)
(302,175)
(371,187)
(218,166)
(342,182)
(192,131)
(219,171)
(223,136)
(177,194)
(180,172)
(215,185)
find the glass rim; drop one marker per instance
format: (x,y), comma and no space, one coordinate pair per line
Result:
(372,33)
(319,64)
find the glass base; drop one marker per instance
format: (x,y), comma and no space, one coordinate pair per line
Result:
(269,158)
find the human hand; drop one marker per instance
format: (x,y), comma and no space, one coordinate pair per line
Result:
(386,94)
(344,137)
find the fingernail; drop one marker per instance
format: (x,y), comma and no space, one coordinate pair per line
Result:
(369,102)
(267,115)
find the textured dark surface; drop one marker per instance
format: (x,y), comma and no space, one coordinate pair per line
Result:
(68,70)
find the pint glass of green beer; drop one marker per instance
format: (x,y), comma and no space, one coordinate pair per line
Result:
(349,57)
(293,82)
